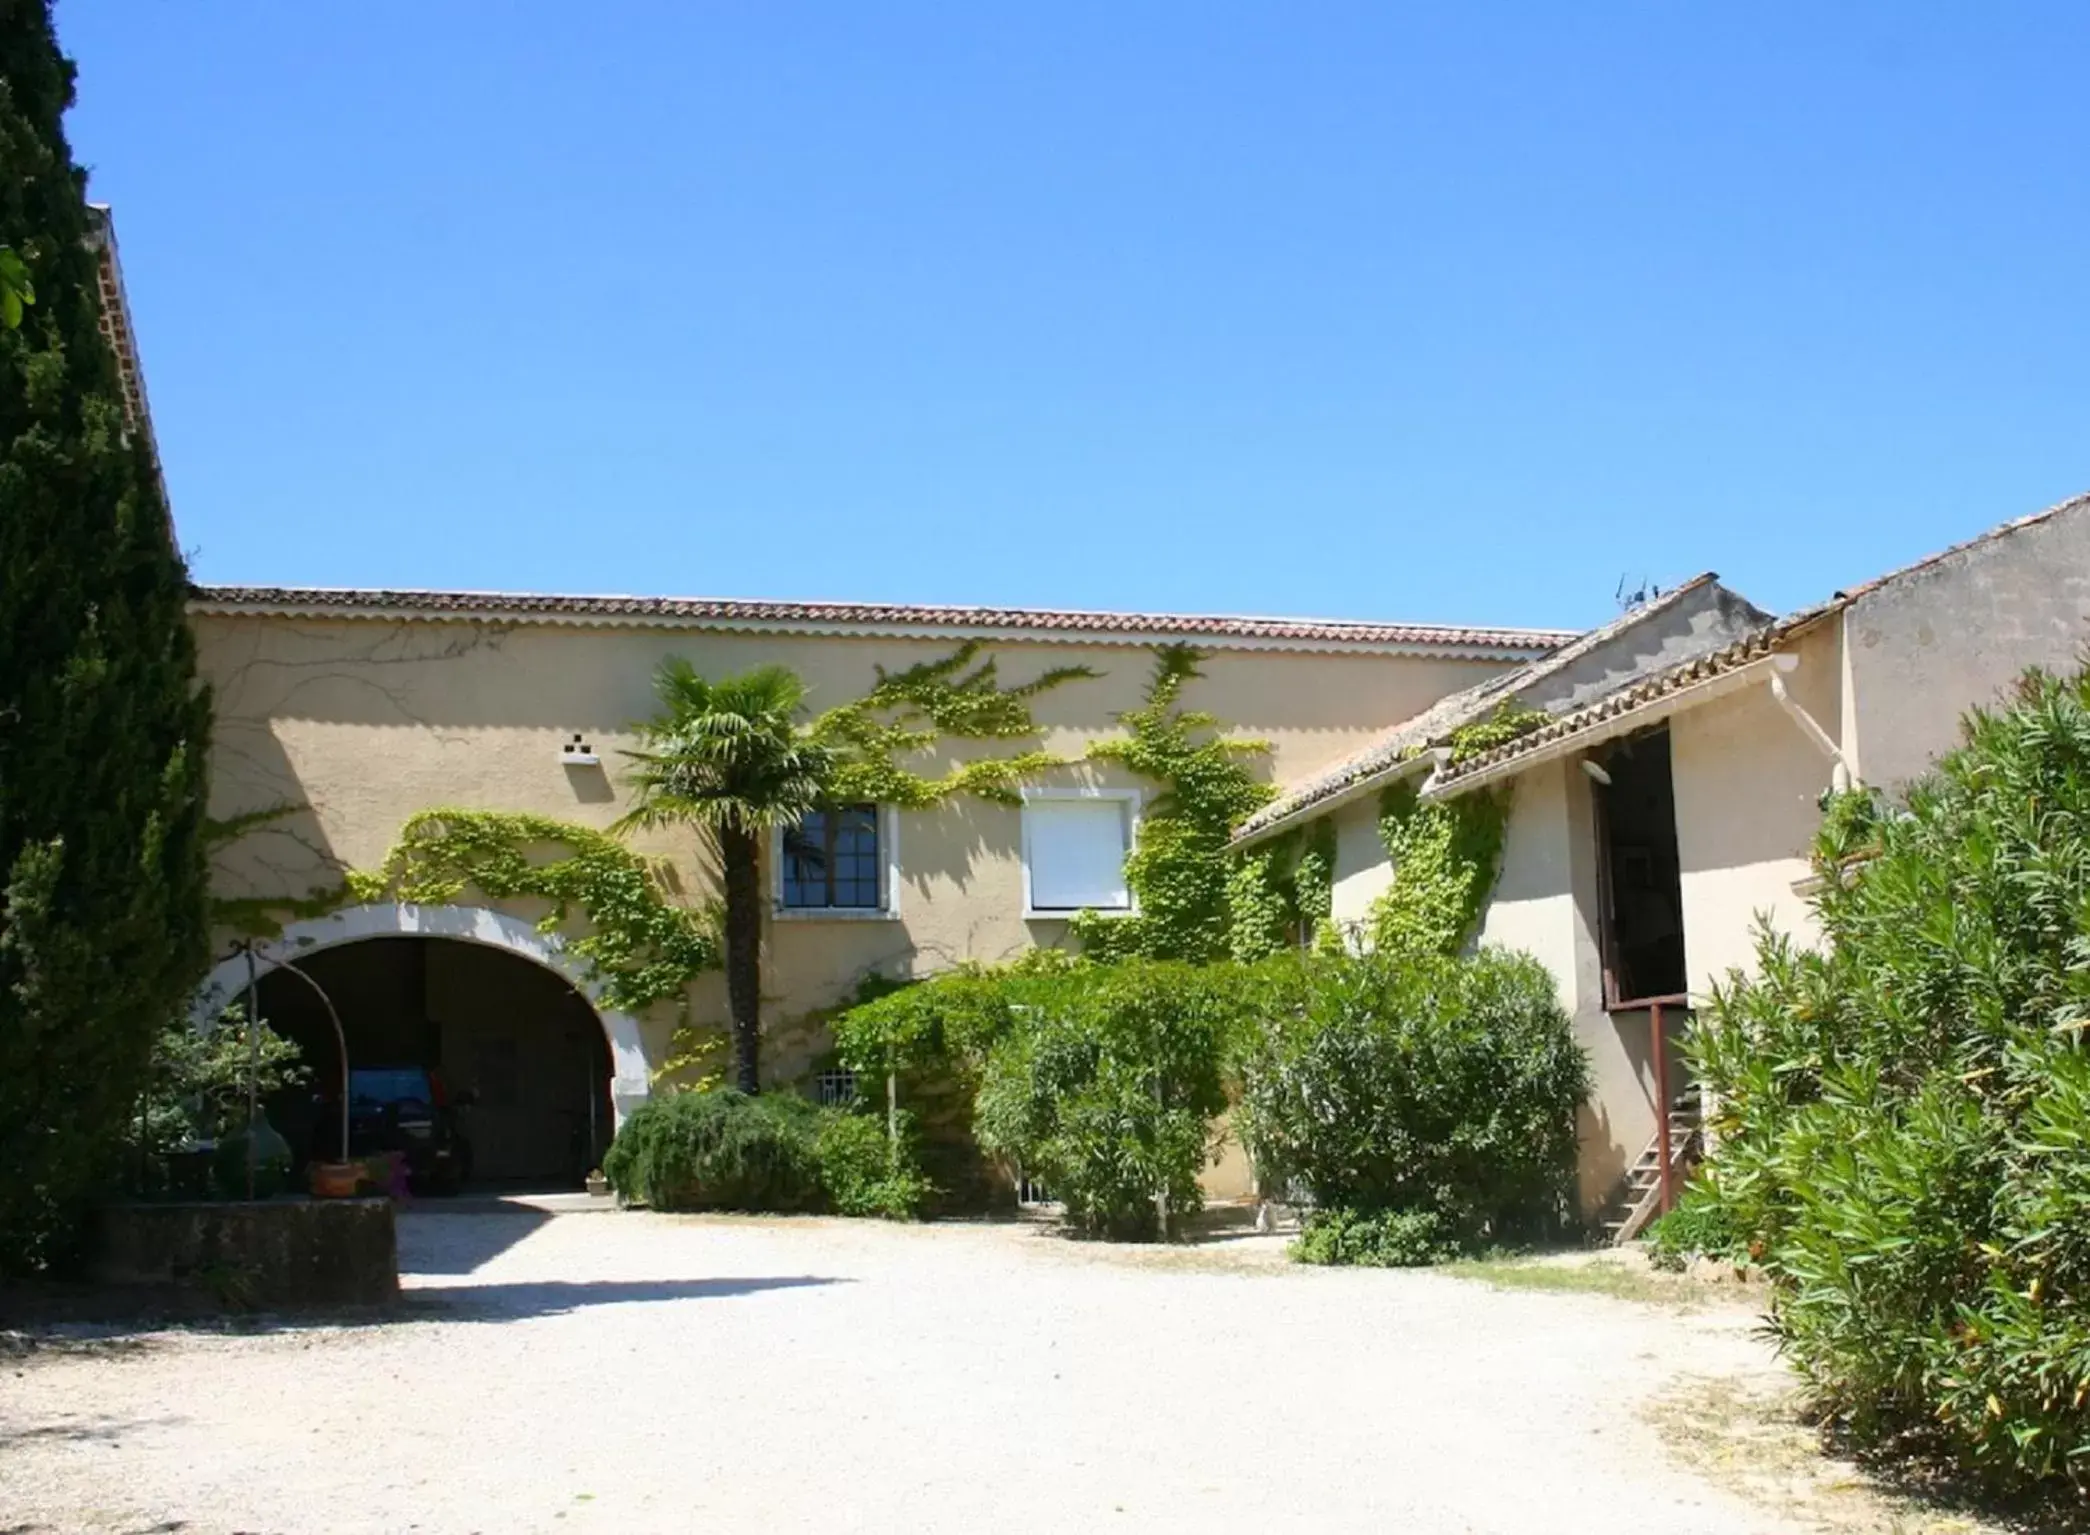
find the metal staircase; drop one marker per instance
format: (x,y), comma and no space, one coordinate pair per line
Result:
(1639,1197)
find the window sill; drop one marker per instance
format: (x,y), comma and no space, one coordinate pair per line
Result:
(833,914)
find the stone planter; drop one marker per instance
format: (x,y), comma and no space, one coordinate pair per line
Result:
(274,1254)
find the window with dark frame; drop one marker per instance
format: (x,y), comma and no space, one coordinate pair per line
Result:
(1640,872)
(832,861)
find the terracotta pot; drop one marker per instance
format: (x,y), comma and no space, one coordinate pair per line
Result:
(336,1180)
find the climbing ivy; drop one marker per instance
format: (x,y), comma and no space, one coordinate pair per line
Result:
(1282,892)
(910,712)
(1505,725)
(1179,871)
(1445,854)
(642,947)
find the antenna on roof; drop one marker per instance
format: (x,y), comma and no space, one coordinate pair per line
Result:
(1635,592)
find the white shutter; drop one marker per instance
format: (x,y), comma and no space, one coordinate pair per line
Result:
(1076,849)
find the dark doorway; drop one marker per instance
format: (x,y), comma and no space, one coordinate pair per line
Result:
(1643,898)
(518,1055)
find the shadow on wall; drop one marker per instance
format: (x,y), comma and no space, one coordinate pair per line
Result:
(1602,1164)
(950,840)
(288,855)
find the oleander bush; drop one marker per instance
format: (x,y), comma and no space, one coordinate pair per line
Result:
(1424,1105)
(1904,1115)
(1107,1082)
(865,1169)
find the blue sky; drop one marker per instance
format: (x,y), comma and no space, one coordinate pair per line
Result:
(1454,313)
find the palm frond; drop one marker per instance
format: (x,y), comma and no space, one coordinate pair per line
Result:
(725,755)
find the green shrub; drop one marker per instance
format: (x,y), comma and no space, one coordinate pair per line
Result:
(1904,1117)
(1107,1084)
(1699,1227)
(104,729)
(719,1150)
(861,1170)
(1387,1239)
(1423,1086)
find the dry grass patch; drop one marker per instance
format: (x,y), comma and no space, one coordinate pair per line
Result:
(1620,1273)
(1753,1441)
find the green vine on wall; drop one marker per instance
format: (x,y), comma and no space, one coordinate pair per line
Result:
(263,916)
(1446,855)
(1180,871)
(910,712)
(642,947)
(1282,893)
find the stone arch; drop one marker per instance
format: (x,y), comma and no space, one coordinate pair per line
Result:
(630,1080)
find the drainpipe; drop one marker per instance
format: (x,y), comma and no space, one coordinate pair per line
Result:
(1784,665)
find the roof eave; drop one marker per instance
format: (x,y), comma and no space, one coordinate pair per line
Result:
(1313,810)
(880,620)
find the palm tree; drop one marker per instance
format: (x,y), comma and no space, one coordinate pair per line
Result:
(729,759)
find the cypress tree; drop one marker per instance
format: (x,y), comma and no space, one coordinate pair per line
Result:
(103,727)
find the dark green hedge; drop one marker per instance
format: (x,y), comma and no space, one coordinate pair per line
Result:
(1905,1115)
(103,729)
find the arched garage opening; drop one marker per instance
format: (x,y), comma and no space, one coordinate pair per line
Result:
(499,1007)
(512,1055)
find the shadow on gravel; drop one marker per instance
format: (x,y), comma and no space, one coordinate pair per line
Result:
(447,1240)
(555,1297)
(98,1430)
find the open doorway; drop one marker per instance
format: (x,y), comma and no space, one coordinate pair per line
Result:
(487,1070)
(1642,874)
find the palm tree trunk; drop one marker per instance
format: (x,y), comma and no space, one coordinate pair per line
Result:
(740,853)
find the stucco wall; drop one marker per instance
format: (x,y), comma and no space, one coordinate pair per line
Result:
(1362,871)
(1748,791)
(1691,623)
(1928,645)
(1746,782)
(365,722)
(1534,906)
(1546,905)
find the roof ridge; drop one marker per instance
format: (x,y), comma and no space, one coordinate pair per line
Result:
(942,615)
(1384,753)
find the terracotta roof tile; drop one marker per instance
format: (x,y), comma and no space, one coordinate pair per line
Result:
(1636,695)
(1089,627)
(1449,713)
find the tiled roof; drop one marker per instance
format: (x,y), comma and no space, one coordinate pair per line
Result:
(1753,646)
(2072,504)
(1080,627)
(116,326)
(1450,713)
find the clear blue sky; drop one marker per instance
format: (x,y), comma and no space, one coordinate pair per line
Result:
(1454,313)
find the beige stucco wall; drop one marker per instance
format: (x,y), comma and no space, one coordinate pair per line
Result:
(1748,790)
(1361,867)
(365,722)
(1930,644)
(1747,783)
(1545,904)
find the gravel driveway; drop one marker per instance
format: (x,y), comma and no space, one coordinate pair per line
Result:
(633,1372)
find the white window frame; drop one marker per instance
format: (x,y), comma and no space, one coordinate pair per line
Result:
(1130,799)
(888,908)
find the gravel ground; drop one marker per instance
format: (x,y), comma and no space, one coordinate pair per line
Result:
(633,1372)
